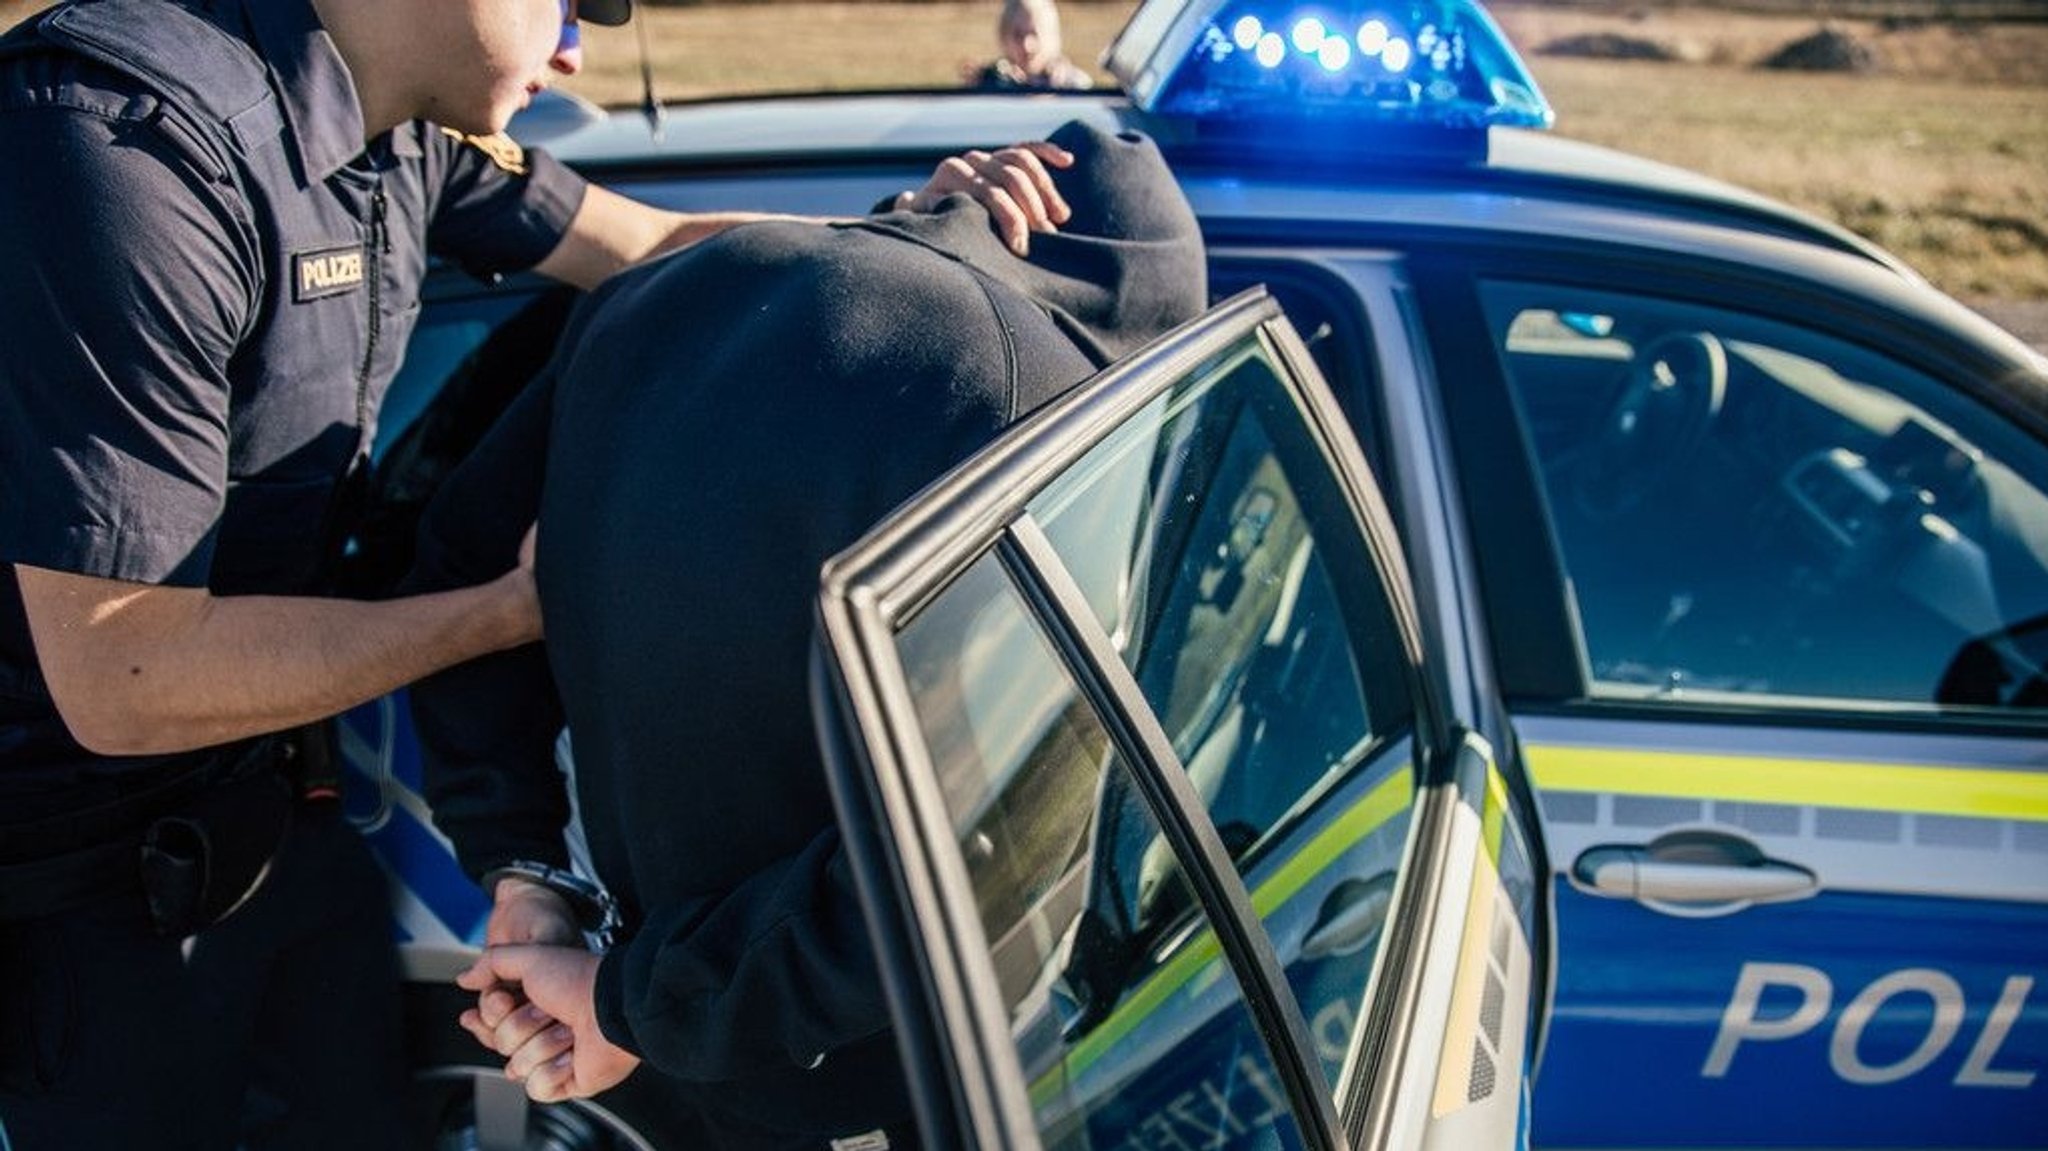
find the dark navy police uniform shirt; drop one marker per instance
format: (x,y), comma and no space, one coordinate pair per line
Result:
(208,284)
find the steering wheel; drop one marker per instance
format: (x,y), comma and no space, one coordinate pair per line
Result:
(1653,426)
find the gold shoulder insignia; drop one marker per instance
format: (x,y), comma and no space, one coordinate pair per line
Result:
(502,150)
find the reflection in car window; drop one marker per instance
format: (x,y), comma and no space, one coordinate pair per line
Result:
(1126,1041)
(1749,509)
(1211,541)
(1204,535)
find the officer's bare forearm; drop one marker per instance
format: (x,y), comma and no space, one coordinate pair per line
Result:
(141,669)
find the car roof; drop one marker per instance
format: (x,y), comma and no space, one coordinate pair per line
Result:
(1528,185)
(817,130)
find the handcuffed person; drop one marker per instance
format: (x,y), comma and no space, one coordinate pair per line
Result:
(696,476)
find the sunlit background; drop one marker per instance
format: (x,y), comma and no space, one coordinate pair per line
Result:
(1925,129)
(1922,124)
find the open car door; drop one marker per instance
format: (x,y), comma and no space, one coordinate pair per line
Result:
(1163,838)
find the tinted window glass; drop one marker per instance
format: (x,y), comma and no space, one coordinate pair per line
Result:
(1212,542)
(1207,535)
(1129,1035)
(1328,314)
(1747,508)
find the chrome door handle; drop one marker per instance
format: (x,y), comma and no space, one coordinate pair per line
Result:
(1692,872)
(1628,872)
(1351,917)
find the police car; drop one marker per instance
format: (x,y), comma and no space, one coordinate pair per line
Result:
(1555,658)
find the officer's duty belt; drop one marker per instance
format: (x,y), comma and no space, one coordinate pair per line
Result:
(66,861)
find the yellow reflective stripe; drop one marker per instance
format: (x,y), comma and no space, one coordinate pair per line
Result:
(1392,797)
(1494,819)
(1164,983)
(1929,790)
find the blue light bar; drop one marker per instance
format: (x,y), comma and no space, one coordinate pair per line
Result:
(1410,65)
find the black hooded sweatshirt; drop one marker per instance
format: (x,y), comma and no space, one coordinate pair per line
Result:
(715,426)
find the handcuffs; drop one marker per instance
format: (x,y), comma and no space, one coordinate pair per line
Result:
(594,909)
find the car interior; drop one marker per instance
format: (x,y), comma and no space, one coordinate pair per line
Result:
(1749,508)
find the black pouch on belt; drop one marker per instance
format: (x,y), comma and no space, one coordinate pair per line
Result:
(205,859)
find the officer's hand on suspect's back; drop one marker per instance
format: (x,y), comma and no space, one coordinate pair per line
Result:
(1012,183)
(558,982)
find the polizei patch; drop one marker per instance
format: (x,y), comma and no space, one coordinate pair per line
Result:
(326,272)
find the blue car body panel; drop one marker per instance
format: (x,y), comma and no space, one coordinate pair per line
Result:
(433,902)
(1956,1049)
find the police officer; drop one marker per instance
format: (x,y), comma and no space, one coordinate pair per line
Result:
(212,265)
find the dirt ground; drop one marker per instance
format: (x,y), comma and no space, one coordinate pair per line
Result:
(2005,60)
(2003,52)
(2027,319)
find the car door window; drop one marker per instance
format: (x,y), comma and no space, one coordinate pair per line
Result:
(1114,1021)
(1749,509)
(1213,546)
(1195,535)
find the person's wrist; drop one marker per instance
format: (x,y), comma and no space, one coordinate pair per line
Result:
(512,888)
(523,911)
(515,610)
(588,905)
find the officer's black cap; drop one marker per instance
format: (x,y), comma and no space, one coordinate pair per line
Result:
(612,12)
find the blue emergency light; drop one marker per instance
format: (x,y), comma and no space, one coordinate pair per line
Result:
(1411,68)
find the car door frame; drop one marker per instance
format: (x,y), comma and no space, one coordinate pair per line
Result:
(966,1080)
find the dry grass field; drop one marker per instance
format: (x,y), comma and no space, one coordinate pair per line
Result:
(1938,150)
